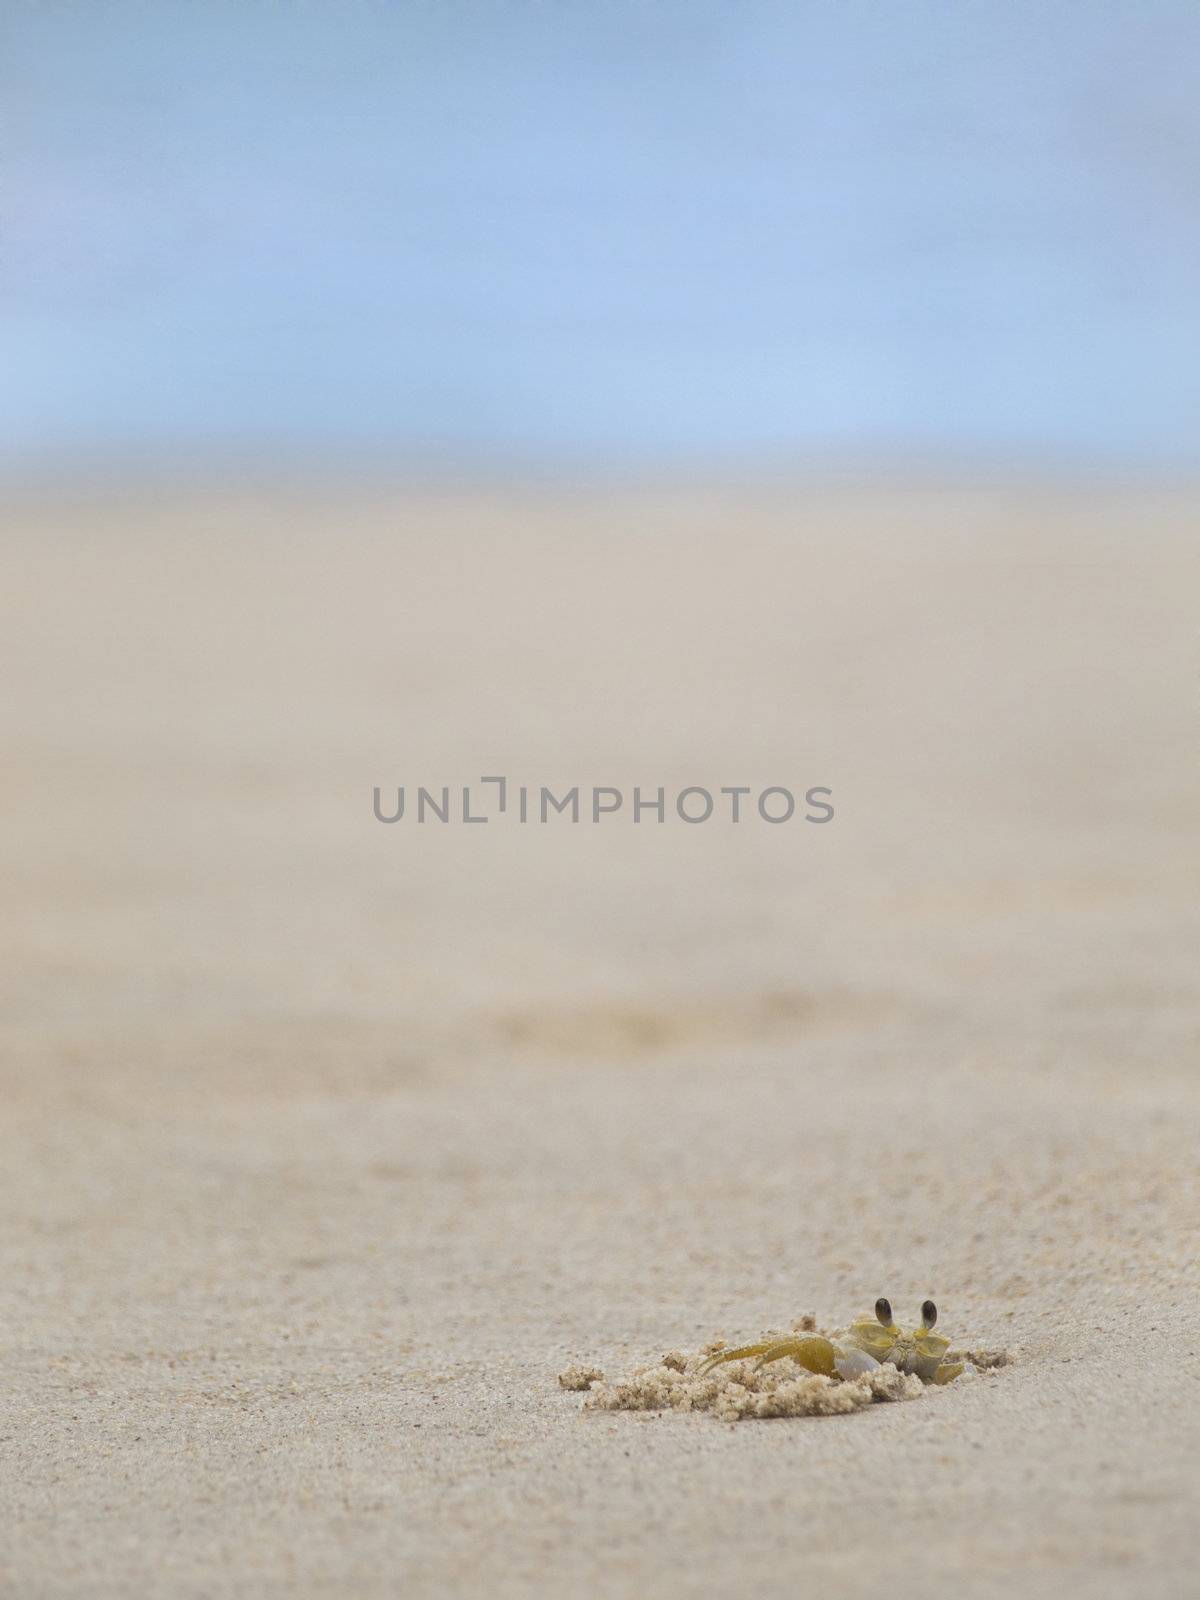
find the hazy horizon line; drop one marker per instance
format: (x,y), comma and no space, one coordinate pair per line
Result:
(258,466)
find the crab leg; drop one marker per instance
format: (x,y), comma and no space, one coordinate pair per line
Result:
(948,1371)
(815,1353)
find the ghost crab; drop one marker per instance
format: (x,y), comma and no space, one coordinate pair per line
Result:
(865,1345)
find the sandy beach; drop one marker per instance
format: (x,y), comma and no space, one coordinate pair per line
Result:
(329,1144)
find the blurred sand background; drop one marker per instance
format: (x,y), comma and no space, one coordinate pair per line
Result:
(328,1145)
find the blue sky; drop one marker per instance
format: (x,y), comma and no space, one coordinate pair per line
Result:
(621,231)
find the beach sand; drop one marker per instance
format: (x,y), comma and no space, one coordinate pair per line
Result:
(329,1145)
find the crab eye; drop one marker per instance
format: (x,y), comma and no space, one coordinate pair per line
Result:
(883,1311)
(929,1313)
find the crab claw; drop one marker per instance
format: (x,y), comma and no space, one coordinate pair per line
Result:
(855,1364)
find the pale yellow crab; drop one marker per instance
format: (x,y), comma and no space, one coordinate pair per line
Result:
(867,1343)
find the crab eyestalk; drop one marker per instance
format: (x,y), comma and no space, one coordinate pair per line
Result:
(928,1314)
(883,1311)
